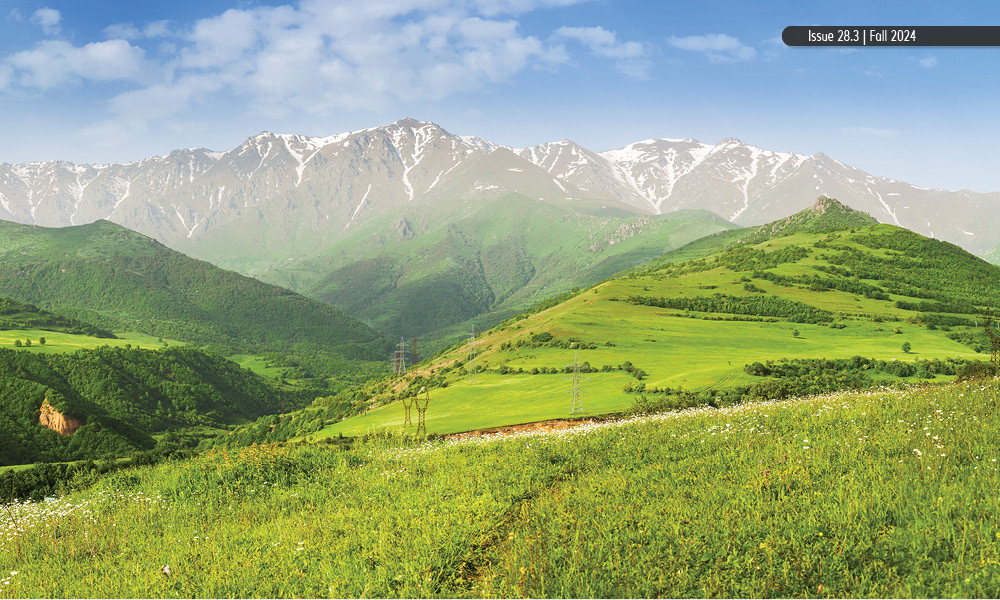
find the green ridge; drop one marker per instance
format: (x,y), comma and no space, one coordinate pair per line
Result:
(120,280)
(801,289)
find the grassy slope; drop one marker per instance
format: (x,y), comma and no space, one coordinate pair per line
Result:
(672,348)
(120,279)
(877,494)
(435,271)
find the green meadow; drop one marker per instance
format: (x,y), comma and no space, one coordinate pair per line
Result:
(493,401)
(883,493)
(56,342)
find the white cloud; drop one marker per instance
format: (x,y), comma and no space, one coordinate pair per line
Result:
(128,31)
(928,63)
(630,56)
(311,56)
(869,131)
(55,62)
(122,31)
(718,47)
(48,19)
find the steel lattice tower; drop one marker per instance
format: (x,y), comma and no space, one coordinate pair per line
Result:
(399,358)
(577,404)
(407,404)
(472,356)
(422,411)
(994,340)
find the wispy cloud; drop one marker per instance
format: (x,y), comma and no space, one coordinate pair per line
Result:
(718,47)
(630,57)
(48,19)
(928,63)
(869,131)
(873,72)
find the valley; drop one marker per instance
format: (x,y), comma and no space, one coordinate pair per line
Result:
(165,380)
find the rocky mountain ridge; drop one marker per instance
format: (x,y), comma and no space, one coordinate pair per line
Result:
(277,188)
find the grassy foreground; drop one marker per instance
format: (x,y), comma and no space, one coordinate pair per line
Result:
(882,493)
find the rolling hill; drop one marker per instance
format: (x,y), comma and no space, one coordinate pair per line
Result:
(822,300)
(120,280)
(441,268)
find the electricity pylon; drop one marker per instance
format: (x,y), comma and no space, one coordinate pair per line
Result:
(422,411)
(399,358)
(472,356)
(407,404)
(577,404)
(994,340)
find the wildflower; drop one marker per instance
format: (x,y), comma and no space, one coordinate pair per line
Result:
(919,453)
(165,569)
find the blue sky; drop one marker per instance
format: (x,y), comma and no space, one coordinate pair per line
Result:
(123,80)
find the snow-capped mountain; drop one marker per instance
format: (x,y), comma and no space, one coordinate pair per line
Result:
(276,189)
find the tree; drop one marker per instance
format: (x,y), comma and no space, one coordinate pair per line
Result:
(41,341)
(17,343)
(795,333)
(27,342)
(906,347)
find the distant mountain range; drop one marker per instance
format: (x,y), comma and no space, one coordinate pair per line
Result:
(336,183)
(298,210)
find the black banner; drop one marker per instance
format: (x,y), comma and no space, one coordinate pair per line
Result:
(891,35)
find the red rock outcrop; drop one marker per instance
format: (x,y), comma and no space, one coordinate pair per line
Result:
(56,421)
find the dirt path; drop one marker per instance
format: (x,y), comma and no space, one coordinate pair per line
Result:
(537,426)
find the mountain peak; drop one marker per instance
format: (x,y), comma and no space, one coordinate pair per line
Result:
(826,214)
(411,122)
(823,204)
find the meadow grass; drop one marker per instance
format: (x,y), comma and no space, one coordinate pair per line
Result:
(882,493)
(258,365)
(57,342)
(496,400)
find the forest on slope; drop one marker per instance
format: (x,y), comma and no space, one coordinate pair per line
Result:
(116,279)
(121,397)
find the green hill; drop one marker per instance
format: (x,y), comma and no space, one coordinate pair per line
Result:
(440,268)
(120,280)
(118,397)
(818,305)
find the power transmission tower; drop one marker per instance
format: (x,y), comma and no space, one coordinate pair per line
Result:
(994,340)
(577,405)
(472,356)
(399,358)
(407,404)
(422,411)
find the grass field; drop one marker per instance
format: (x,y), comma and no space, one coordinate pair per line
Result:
(493,401)
(257,364)
(56,342)
(688,348)
(875,494)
